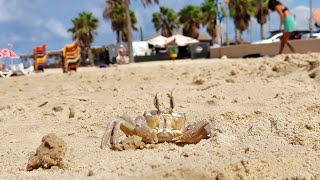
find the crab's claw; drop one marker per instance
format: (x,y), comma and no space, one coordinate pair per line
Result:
(156,103)
(147,135)
(172,103)
(192,134)
(144,131)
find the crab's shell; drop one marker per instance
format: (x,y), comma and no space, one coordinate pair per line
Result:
(165,125)
(164,120)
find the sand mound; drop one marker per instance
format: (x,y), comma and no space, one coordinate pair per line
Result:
(49,153)
(314,69)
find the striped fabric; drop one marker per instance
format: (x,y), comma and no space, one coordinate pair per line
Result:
(71,56)
(7,53)
(40,57)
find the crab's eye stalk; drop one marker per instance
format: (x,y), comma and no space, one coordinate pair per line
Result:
(172,104)
(156,102)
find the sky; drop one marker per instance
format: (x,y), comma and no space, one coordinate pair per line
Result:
(28,23)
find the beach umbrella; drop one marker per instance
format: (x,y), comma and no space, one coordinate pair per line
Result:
(316,15)
(180,40)
(8,53)
(158,41)
(1,55)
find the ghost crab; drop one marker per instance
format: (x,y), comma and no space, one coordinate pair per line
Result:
(156,126)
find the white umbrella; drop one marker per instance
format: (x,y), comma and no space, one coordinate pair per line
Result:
(180,40)
(158,41)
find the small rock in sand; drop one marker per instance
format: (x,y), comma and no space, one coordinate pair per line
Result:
(57,109)
(72,112)
(233,72)
(90,173)
(198,81)
(43,104)
(224,57)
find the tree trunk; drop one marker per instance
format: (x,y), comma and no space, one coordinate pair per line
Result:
(214,32)
(90,56)
(261,32)
(227,24)
(131,58)
(165,30)
(118,36)
(141,34)
(235,35)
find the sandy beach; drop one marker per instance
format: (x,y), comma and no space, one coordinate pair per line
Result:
(264,115)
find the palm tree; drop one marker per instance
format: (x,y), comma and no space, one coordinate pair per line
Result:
(112,13)
(84,28)
(133,19)
(241,12)
(261,15)
(190,18)
(127,8)
(209,11)
(115,12)
(166,20)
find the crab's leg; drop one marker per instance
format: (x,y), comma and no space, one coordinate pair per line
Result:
(127,118)
(192,134)
(126,125)
(112,131)
(107,134)
(156,103)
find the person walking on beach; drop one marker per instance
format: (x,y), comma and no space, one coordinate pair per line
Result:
(286,20)
(121,55)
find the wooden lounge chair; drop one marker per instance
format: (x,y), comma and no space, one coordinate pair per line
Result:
(40,57)
(71,56)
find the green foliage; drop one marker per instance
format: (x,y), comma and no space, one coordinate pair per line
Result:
(166,20)
(262,11)
(209,14)
(115,12)
(190,18)
(209,11)
(84,27)
(146,2)
(261,15)
(241,12)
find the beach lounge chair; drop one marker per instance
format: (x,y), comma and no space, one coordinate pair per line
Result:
(25,71)
(40,57)
(4,72)
(20,70)
(71,56)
